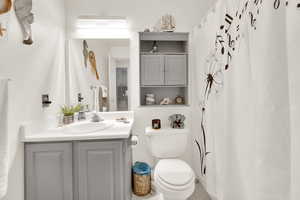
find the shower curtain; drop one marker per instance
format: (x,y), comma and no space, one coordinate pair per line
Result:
(251,114)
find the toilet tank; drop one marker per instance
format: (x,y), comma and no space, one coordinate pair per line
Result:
(167,142)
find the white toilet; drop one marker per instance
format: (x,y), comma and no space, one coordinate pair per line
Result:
(173,177)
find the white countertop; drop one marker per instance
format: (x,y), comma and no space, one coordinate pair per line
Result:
(118,130)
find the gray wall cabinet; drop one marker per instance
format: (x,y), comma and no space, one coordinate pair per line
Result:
(152,70)
(48,171)
(81,170)
(164,69)
(175,70)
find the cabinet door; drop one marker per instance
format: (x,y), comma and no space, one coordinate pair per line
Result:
(152,70)
(48,171)
(176,70)
(100,170)
(127,169)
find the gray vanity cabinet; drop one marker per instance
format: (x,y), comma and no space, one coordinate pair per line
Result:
(152,70)
(78,170)
(99,169)
(48,171)
(176,70)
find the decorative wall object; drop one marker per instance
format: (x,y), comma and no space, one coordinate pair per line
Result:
(179,100)
(156,124)
(177,121)
(166,24)
(3,29)
(150,99)
(85,52)
(25,17)
(166,101)
(154,47)
(92,59)
(5,7)
(89,55)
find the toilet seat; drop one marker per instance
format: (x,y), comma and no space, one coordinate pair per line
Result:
(174,178)
(174,174)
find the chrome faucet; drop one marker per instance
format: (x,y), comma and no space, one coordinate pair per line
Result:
(82,112)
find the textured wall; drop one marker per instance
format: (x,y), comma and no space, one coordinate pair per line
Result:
(35,70)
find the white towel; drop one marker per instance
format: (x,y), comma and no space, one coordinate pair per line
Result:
(3,136)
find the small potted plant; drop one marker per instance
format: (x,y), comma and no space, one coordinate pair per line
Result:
(68,113)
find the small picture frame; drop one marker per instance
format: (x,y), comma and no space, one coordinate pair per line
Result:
(177,121)
(156,124)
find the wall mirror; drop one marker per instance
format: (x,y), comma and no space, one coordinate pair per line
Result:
(97,73)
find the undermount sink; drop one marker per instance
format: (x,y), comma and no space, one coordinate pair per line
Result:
(87,127)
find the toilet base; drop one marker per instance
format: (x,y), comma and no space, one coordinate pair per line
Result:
(175,195)
(172,185)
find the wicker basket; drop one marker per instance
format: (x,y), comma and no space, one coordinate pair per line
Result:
(141,184)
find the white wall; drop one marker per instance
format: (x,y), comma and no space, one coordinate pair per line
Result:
(143,14)
(39,68)
(35,70)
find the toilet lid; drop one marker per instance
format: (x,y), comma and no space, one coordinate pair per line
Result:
(174,172)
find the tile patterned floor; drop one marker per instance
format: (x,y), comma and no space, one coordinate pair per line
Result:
(199,194)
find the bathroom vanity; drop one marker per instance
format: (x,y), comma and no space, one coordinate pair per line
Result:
(83,166)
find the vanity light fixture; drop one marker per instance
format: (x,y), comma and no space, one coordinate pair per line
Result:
(95,27)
